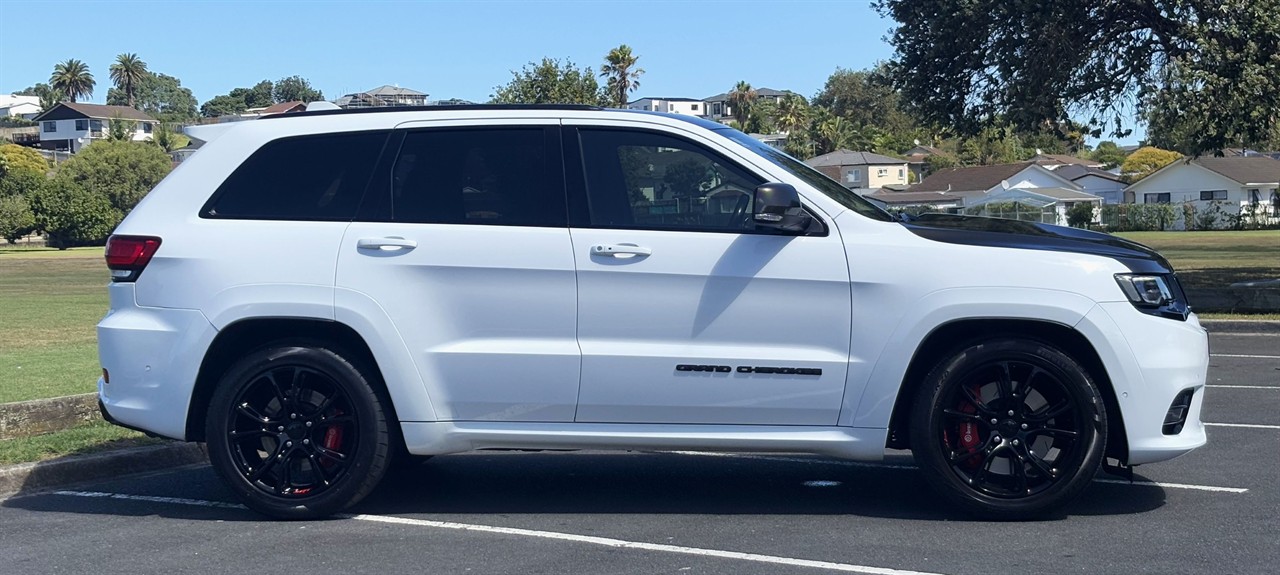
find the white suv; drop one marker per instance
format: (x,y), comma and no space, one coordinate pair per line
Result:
(312,294)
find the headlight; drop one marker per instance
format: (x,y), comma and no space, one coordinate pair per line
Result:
(1145,290)
(1154,294)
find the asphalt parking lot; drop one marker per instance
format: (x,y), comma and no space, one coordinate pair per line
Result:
(1211,511)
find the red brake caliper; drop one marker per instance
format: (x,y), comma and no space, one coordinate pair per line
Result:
(969,436)
(332,439)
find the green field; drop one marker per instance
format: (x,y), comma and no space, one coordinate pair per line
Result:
(49,304)
(1211,259)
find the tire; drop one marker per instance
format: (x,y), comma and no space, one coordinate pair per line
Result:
(1044,447)
(297,431)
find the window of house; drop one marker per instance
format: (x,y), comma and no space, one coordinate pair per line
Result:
(854,176)
(882,172)
(646,180)
(1160,198)
(95,126)
(901,174)
(319,178)
(694,107)
(1206,195)
(50,126)
(485,176)
(1254,196)
(146,128)
(82,125)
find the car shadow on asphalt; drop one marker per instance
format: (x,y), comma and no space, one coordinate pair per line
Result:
(505,483)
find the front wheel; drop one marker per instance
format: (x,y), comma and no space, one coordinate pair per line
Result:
(1009,428)
(297,432)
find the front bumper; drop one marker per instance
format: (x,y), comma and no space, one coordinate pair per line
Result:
(153,356)
(1150,360)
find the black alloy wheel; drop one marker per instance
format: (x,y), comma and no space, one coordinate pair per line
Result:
(297,432)
(1009,429)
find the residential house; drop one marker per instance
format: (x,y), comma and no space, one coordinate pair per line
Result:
(1232,184)
(918,164)
(381,96)
(281,108)
(1048,205)
(688,106)
(25,107)
(978,181)
(73,125)
(861,169)
(1098,182)
(718,107)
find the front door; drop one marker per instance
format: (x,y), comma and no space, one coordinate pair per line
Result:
(464,244)
(686,313)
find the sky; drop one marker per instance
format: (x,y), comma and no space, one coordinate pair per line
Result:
(446,49)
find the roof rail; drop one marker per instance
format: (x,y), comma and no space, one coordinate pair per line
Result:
(384,109)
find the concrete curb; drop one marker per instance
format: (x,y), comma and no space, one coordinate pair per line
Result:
(27,418)
(1226,326)
(25,477)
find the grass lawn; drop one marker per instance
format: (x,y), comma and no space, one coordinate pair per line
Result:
(50,301)
(1214,259)
(89,438)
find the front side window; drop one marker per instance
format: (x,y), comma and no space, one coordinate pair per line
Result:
(316,178)
(882,172)
(146,128)
(1254,196)
(95,126)
(82,125)
(647,180)
(1207,195)
(50,126)
(1156,198)
(487,176)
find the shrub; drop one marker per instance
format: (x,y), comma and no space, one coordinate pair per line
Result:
(73,215)
(122,171)
(1080,215)
(16,218)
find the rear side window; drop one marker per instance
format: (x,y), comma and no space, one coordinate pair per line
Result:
(486,176)
(316,178)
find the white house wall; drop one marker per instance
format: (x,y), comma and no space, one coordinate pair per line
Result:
(1111,191)
(1031,177)
(1184,183)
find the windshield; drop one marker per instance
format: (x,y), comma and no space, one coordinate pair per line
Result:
(831,188)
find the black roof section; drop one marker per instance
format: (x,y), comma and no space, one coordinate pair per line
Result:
(388,109)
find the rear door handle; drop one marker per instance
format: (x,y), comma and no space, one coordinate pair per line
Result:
(619,250)
(388,243)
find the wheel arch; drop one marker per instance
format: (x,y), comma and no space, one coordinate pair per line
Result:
(245,335)
(947,338)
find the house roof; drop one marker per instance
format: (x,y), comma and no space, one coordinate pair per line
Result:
(1074,172)
(68,110)
(661,99)
(389,90)
(851,158)
(969,179)
(906,198)
(760,93)
(1243,169)
(283,107)
(1034,196)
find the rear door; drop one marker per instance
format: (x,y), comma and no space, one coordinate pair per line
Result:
(463,243)
(686,313)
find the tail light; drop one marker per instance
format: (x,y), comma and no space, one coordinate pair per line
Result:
(127,256)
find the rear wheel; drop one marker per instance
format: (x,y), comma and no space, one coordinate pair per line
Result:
(1009,429)
(297,432)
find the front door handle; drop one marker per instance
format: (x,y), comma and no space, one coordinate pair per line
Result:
(619,250)
(388,243)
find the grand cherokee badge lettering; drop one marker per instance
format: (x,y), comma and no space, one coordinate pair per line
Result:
(750,369)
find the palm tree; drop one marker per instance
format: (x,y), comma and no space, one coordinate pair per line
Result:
(73,79)
(623,76)
(741,99)
(127,72)
(792,114)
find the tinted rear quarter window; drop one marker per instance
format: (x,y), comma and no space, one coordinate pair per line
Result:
(317,178)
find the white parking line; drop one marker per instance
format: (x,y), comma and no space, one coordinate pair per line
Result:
(1248,425)
(1244,386)
(1138,483)
(603,541)
(1245,356)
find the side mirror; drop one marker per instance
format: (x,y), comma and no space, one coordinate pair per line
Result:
(777,207)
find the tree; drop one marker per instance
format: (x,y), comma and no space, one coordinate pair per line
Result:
(741,98)
(1029,64)
(167,140)
(16,159)
(74,215)
(792,114)
(73,79)
(120,129)
(993,145)
(224,105)
(1145,161)
(16,218)
(160,95)
(122,171)
(127,72)
(1109,154)
(865,98)
(551,82)
(238,100)
(293,89)
(1080,214)
(622,74)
